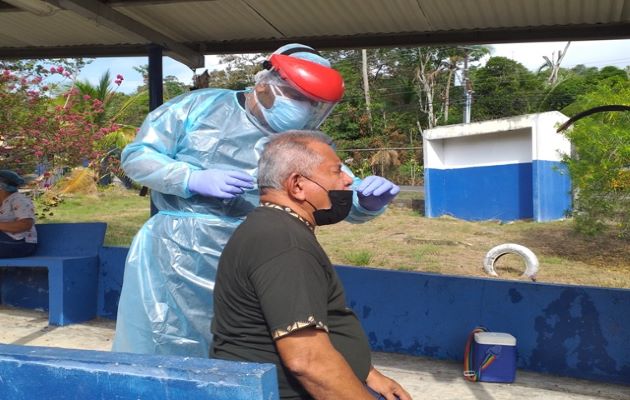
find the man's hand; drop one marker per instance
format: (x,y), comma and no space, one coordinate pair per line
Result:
(376,192)
(388,388)
(224,184)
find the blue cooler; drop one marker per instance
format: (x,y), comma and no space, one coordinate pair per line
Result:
(494,356)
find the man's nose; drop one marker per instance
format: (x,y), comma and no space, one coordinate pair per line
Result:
(347,180)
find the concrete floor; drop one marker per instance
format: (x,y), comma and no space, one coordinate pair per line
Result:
(423,378)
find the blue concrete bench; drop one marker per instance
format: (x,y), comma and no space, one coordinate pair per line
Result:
(28,372)
(70,253)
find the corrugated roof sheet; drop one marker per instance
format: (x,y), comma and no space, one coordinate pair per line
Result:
(221,26)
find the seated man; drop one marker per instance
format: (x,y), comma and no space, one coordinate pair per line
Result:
(18,237)
(277,297)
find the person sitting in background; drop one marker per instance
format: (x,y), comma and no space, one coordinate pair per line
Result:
(18,237)
(278,298)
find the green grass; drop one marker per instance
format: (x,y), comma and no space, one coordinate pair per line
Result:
(403,239)
(362,257)
(124,212)
(424,251)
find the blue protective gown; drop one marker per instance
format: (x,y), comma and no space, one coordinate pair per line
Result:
(166,301)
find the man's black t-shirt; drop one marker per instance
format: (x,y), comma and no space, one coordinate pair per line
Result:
(274,278)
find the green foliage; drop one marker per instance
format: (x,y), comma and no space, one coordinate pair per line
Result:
(238,72)
(361,168)
(173,87)
(577,81)
(410,90)
(563,93)
(411,172)
(504,88)
(45,204)
(362,257)
(36,128)
(130,109)
(600,166)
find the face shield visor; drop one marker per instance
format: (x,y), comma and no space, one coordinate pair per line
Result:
(294,94)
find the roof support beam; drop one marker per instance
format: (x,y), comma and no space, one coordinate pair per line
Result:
(114,3)
(74,51)
(438,38)
(101,13)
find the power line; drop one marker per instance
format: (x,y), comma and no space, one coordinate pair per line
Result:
(384,148)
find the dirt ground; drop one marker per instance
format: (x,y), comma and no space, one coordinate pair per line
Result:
(405,240)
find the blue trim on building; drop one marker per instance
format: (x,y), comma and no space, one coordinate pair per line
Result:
(502,192)
(552,190)
(540,190)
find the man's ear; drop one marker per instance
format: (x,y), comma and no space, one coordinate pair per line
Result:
(295,187)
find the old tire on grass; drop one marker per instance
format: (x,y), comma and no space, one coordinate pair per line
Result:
(531,261)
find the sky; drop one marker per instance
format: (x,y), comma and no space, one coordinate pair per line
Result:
(590,53)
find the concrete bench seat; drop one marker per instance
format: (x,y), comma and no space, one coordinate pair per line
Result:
(70,253)
(29,372)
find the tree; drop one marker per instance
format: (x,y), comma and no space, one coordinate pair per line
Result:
(564,92)
(104,92)
(35,130)
(553,65)
(600,166)
(574,82)
(237,72)
(504,88)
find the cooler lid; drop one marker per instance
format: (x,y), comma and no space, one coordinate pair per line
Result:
(499,338)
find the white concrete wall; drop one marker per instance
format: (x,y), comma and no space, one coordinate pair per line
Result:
(499,148)
(546,143)
(511,140)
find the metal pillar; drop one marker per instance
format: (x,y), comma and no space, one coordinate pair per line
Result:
(156,90)
(467,91)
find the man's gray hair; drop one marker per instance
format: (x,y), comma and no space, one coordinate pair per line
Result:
(289,153)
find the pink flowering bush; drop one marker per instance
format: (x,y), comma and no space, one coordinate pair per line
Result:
(39,127)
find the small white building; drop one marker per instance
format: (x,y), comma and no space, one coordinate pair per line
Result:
(505,169)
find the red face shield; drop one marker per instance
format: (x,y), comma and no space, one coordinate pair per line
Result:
(315,81)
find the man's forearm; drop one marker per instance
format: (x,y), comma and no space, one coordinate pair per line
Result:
(20,225)
(319,367)
(332,378)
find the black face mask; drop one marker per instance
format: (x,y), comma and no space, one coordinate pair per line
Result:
(340,206)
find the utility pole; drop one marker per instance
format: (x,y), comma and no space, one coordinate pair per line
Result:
(366,88)
(467,90)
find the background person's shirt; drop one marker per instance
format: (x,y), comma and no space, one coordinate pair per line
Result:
(273,279)
(18,206)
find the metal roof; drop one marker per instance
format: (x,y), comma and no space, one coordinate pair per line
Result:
(188,29)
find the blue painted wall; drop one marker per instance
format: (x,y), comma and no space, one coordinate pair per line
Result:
(24,287)
(110,279)
(28,372)
(540,190)
(28,287)
(565,330)
(552,190)
(501,192)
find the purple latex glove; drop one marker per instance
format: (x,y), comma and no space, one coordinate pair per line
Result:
(376,192)
(223,184)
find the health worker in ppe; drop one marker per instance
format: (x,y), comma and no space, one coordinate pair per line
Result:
(199,154)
